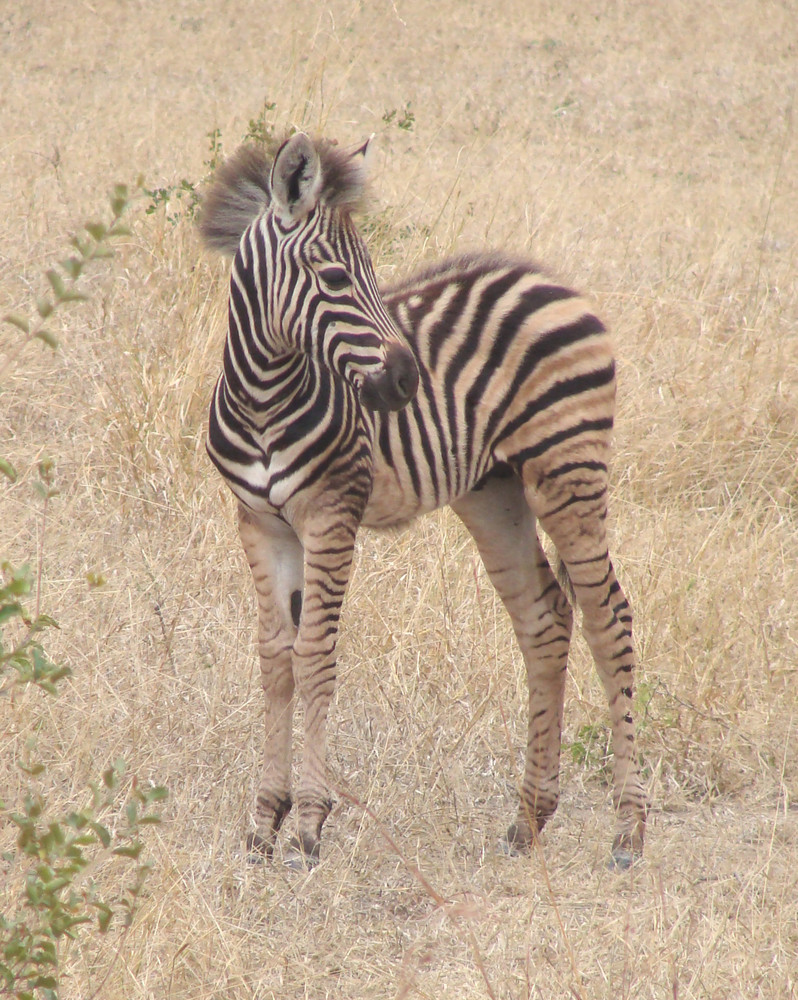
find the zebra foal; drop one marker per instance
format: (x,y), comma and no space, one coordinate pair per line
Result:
(478,383)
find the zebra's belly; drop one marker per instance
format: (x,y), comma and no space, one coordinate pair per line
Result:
(398,496)
(394,500)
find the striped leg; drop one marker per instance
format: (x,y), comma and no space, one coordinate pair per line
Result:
(329,549)
(499,518)
(276,559)
(573,514)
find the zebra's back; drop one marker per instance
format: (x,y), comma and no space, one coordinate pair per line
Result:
(514,368)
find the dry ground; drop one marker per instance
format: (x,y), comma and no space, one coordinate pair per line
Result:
(646,152)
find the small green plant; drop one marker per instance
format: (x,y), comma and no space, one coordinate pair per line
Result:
(23,660)
(63,280)
(261,129)
(56,894)
(593,748)
(53,874)
(404,119)
(181,200)
(184,193)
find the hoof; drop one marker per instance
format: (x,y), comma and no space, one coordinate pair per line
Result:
(517,841)
(626,850)
(302,855)
(259,850)
(622,859)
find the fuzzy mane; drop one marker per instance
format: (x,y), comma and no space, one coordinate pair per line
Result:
(343,175)
(240,190)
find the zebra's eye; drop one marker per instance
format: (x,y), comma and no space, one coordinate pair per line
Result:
(335,278)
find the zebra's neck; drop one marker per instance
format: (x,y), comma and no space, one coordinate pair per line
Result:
(291,395)
(256,389)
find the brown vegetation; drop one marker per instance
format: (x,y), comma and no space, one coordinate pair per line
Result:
(644,153)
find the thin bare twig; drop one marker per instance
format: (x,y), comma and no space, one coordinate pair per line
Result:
(451,909)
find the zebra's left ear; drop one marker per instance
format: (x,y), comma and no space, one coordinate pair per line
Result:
(296,178)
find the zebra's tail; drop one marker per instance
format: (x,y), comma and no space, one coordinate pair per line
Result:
(238,194)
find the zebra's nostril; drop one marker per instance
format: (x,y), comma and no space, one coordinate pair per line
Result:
(405,377)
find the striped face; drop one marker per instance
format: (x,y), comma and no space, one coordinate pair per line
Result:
(325,304)
(321,296)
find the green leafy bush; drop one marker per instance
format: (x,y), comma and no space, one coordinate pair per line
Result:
(54,873)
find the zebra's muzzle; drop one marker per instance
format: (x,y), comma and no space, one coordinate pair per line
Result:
(395,386)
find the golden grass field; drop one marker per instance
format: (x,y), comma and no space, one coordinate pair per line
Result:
(645,153)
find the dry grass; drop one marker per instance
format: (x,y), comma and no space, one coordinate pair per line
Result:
(646,154)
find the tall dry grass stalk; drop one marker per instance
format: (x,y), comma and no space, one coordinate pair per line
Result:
(644,154)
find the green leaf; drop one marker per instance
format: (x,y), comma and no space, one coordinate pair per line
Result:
(8,611)
(8,470)
(97,230)
(56,282)
(132,812)
(18,321)
(103,834)
(49,338)
(83,247)
(131,851)
(111,777)
(20,582)
(104,917)
(56,832)
(73,266)
(73,295)
(42,622)
(32,769)
(44,307)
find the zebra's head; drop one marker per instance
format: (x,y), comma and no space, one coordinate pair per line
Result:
(326,300)
(302,280)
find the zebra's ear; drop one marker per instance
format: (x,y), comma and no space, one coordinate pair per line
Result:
(296,178)
(363,152)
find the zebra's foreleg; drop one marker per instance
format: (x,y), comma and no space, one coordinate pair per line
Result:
(276,559)
(328,560)
(574,517)
(498,517)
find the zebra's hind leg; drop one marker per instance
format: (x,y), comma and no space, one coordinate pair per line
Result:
(570,503)
(503,526)
(276,559)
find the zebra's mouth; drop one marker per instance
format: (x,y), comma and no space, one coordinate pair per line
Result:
(395,386)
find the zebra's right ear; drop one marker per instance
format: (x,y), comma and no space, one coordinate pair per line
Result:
(296,178)
(363,152)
